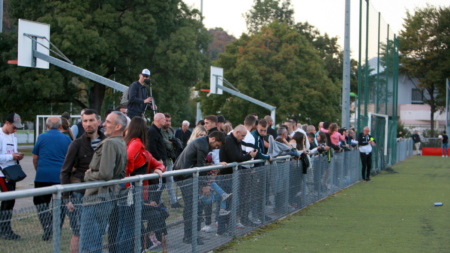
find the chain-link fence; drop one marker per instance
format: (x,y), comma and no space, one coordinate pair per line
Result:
(215,208)
(404,149)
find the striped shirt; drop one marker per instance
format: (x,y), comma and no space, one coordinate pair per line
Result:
(95,142)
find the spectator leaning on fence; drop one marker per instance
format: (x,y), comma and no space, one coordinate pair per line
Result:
(76,163)
(8,157)
(298,128)
(366,142)
(184,133)
(137,165)
(109,162)
(194,155)
(48,157)
(416,140)
(258,134)
(229,153)
(444,144)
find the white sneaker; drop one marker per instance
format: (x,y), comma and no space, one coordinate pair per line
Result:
(225,196)
(239,226)
(223,212)
(443,155)
(207,229)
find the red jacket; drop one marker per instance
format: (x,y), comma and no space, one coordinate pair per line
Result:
(138,156)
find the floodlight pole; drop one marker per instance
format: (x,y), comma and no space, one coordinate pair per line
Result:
(79,71)
(346,70)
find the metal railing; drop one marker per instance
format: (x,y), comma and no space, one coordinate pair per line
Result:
(133,222)
(25,138)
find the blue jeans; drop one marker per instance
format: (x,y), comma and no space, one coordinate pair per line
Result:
(93,224)
(125,233)
(75,215)
(445,149)
(215,197)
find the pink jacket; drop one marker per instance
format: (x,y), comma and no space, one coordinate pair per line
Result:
(335,137)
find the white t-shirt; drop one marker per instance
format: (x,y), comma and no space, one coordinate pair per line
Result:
(367,148)
(304,133)
(6,157)
(250,140)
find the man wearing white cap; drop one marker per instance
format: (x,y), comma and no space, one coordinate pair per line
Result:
(8,157)
(138,96)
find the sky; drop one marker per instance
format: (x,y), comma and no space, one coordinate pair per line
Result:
(326,15)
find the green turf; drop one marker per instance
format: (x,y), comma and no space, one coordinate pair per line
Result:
(394,213)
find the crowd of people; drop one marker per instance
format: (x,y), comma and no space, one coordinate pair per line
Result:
(122,146)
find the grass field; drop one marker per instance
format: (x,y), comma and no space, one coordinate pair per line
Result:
(394,213)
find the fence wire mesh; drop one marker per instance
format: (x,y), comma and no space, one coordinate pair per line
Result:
(214,208)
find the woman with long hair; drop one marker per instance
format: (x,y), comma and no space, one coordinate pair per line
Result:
(138,163)
(198,131)
(65,129)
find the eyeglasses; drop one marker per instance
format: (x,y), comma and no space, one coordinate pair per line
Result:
(145,76)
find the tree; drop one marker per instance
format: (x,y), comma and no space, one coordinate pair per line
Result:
(265,12)
(425,53)
(113,39)
(280,67)
(220,39)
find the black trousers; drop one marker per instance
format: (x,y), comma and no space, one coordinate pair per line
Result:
(187,188)
(245,194)
(7,206)
(42,205)
(366,160)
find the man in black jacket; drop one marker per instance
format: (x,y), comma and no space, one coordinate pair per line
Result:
(138,98)
(365,142)
(76,163)
(156,145)
(194,155)
(229,153)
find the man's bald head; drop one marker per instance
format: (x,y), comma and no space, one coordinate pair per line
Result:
(240,132)
(53,122)
(366,130)
(269,120)
(159,120)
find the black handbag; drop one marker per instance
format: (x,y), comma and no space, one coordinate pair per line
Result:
(14,173)
(305,162)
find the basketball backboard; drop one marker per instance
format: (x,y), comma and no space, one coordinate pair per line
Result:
(216,78)
(37,31)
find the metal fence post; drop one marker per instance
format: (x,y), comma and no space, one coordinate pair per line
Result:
(263,218)
(57,219)
(234,200)
(286,178)
(194,210)
(138,216)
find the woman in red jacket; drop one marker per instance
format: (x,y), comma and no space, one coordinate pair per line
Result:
(138,164)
